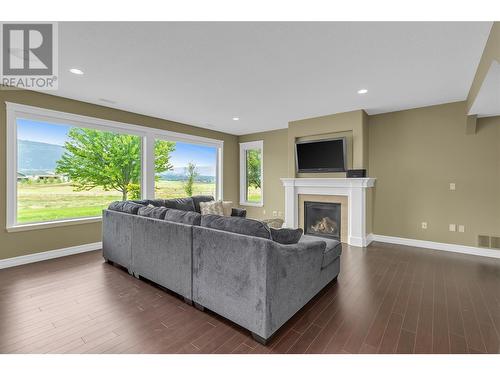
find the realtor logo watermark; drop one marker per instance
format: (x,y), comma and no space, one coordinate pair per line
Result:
(29,56)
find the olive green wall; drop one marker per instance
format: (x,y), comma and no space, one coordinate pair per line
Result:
(279,154)
(491,52)
(353,125)
(415,155)
(27,242)
(275,167)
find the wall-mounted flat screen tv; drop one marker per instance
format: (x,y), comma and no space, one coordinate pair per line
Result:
(321,156)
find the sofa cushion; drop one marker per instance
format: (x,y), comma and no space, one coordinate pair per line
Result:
(239,212)
(234,224)
(185,204)
(125,206)
(197,199)
(156,202)
(143,202)
(183,217)
(332,251)
(212,208)
(286,236)
(153,212)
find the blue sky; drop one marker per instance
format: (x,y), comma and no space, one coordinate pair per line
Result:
(203,156)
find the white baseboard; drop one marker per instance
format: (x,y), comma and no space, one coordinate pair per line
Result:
(472,250)
(37,257)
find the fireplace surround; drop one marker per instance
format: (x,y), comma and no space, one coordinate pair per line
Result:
(354,189)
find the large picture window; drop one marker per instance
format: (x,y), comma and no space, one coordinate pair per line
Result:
(64,168)
(191,169)
(251,173)
(67,172)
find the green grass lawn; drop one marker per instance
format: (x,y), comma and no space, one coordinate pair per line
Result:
(40,202)
(254,194)
(175,189)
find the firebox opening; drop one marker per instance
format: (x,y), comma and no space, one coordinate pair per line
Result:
(322,219)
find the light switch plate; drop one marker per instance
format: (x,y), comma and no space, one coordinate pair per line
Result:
(461,228)
(452,186)
(453,228)
(424,224)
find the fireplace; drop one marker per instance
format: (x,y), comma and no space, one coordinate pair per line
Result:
(322,219)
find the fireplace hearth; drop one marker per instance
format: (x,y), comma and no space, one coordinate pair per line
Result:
(322,219)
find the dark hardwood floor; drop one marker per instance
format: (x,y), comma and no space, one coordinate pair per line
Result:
(388,299)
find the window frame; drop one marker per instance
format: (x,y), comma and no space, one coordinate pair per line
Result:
(148,135)
(244,147)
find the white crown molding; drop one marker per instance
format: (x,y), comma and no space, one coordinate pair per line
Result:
(45,255)
(462,249)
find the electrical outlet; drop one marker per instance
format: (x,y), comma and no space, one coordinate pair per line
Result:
(280,213)
(452,228)
(461,228)
(275,213)
(452,186)
(424,224)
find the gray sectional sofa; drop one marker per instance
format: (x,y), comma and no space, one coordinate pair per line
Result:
(230,265)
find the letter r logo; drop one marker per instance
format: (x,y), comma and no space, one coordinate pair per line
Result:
(27,49)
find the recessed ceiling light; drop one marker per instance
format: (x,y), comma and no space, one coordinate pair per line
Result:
(362,91)
(236,118)
(76,71)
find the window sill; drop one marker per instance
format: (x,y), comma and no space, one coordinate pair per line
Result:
(53,224)
(252,204)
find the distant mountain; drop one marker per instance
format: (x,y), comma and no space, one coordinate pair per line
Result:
(205,174)
(37,156)
(203,170)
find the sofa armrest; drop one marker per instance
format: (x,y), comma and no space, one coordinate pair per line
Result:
(294,276)
(254,282)
(239,212)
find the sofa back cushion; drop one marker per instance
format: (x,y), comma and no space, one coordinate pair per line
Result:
(143,202)
(185,204)
(286,236)
(127,207)
(239,225)
(197,199)
(153,212)
(154,202)
(183,217)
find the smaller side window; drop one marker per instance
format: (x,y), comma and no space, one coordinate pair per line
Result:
(251,173)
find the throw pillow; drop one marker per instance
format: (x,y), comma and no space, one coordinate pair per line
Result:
(286,236)
(212,208)
(227,207)
(201,198)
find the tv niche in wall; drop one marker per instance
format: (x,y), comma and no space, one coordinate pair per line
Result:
(320,156)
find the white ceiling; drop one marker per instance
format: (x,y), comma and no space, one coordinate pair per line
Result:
(267,74)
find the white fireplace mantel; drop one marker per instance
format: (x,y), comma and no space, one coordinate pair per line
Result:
(353,188)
